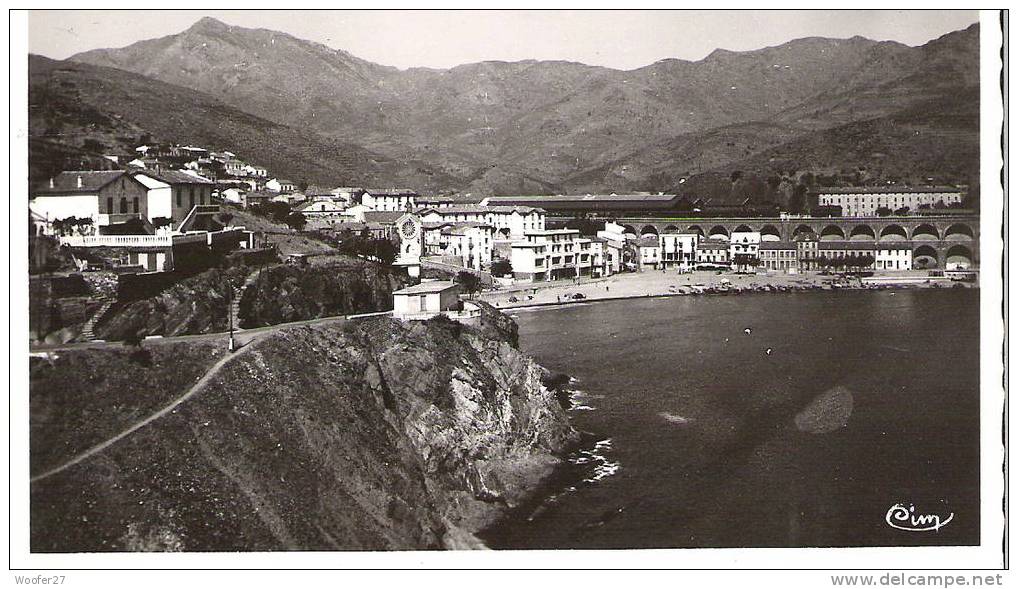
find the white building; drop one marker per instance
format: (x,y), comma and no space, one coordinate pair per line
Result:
(105,198)
(552,254)
(614,245)
(425,300)
(470,242)
(893,258)
(712,253)
(278,185)
(679,249)
(865,201)
(509,222)
(744,249)
(232,194)
(389,199)
(322,208)
(780,256)
(648,251)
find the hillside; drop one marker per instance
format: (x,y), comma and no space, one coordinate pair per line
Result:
(376,435)
(558,126)
(76,108)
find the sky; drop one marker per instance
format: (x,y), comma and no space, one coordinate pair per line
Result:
(446,38)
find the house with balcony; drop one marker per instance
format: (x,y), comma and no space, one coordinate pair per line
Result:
(744,249)
(470,243)
(552,254)
(678,250)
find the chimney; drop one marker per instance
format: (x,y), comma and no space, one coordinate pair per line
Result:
(79,181)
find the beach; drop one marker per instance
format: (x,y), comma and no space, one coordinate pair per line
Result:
(657,283)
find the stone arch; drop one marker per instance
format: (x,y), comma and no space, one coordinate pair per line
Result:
(959,231)
(743,229)
(695,229)
(648,230)
(671,229)
(924,257)
(862,233)
(925,232)
(959,256)
(629,229)
(770,233)
(893,232)
(831,233)
(803,230)
(719,232)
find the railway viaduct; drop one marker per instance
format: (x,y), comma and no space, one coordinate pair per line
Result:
(937,237)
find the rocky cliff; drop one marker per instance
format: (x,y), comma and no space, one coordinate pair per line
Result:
(369,435)
(290,293)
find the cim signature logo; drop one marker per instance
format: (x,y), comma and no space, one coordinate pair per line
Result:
(904,518)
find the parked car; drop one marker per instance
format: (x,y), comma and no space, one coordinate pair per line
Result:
(578,296)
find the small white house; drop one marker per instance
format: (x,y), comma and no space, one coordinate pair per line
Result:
(425,300)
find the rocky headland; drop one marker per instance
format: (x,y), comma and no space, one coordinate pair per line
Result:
(362,435)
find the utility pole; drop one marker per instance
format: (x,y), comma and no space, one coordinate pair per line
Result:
(229,311)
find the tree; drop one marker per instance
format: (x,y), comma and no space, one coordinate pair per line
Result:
(902,211)
(160,222)
(93,145)
(884,211)
(502,267)
(225,218)
(134,226)
(468,281)
(296,221)
(385,251)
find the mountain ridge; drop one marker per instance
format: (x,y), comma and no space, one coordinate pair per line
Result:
(526,125)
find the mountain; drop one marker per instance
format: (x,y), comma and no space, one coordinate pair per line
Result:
(79,111)
(543,126)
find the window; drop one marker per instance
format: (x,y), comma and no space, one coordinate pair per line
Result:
(136,205)
(180,198)
(109,204)
(123,204)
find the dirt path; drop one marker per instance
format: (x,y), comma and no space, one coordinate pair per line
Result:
(195,389)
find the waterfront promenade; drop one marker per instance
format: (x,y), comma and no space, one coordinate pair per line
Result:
(655,283)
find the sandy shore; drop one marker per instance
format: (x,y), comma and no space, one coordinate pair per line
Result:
(655,283)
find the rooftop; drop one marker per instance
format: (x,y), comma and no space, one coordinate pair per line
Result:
(777,245)
(538,198)
(391,192)
(886,189)
(176,177)
(68,182)
(432,286)
(480,209)
(388,217)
